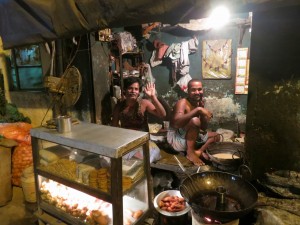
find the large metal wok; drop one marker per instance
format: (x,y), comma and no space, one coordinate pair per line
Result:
(219,195)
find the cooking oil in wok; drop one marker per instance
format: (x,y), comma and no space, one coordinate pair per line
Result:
(225,156)
(211,201)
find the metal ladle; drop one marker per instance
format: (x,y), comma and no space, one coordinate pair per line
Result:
(186,173)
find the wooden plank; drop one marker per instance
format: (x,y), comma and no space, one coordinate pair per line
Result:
(168,163)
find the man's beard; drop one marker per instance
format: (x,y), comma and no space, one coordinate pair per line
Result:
(196,100)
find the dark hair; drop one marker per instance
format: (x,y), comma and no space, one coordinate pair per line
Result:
(192,81)
(131,80)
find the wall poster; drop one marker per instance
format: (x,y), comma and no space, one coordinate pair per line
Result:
(242,71)
(216,59)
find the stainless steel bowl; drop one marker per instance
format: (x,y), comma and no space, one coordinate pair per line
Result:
(163,194)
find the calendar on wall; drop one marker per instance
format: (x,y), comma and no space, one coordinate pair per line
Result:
(242,71)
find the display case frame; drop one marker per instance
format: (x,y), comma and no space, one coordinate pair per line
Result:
(106,141)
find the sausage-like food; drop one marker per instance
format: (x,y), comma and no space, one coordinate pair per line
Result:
(172,204)
(137,214)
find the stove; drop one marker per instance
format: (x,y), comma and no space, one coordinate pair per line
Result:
(197,220)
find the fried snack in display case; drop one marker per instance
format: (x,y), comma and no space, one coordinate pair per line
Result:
(75,204)
(75,165)
(105,165)
(88,209)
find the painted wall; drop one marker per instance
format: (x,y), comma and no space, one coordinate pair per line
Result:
(219,94)
(273,115)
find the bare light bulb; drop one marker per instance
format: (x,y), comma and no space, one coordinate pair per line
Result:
(219,17)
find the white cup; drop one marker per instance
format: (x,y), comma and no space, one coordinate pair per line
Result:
(166,124)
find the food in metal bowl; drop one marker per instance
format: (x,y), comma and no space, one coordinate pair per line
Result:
(171,203)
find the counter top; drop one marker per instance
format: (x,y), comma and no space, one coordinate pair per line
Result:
(104,140)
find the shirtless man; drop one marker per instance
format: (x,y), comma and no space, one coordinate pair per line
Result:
(132,112)
(189,122)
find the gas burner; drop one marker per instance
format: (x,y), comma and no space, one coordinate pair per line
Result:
(218,200)
(197,220)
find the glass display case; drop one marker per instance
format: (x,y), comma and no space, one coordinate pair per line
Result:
(95,174)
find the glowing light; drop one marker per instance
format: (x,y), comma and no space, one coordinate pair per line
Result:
(219,17)
(207,219)
(75,199)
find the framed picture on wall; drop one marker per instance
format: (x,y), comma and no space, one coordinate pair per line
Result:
(216,59)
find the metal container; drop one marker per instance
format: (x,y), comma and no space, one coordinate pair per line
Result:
(170,218)
(166,124)
(64,124)
(234,151)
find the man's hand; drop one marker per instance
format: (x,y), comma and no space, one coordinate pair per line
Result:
(150,90)
(204,112)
